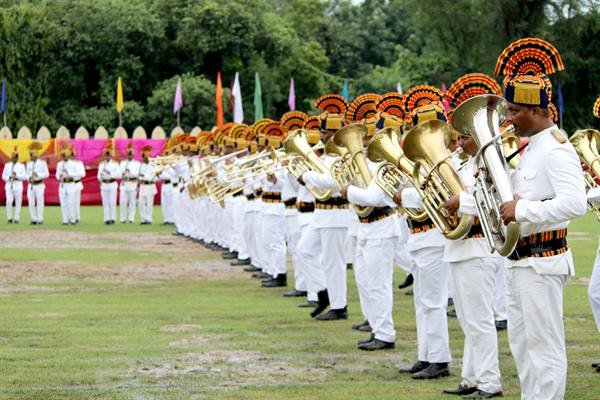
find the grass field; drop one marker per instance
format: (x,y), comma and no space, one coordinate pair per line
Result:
(132,312)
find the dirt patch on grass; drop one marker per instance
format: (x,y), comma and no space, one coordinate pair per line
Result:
(189,261)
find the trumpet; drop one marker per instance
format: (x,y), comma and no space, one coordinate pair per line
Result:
(161,163)
(395,169)
(480,117)
(434,177)
(587,146)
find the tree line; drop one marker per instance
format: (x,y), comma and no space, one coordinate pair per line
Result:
(62,58)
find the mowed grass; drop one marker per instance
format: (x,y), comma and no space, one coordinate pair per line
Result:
(225,339)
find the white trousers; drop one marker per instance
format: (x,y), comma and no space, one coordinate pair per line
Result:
(62,197)
(70,197)
(35,198)
(431,301)
(536,332)
(273,236)
(473,282)
(594,290)
(77,205)
(499,305)
(292,236)
(108,191)
(261,253)
(146,203)
(248,233)
(350,249)
(127,205)
(13,194)
(166,202)
(374,266)
(310,259)
(238,240)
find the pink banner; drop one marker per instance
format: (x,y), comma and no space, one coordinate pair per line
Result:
(88,150)
(121,146)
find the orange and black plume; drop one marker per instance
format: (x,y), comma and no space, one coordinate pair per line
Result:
(333,103)
(471,85)
(363,107)
(529,56)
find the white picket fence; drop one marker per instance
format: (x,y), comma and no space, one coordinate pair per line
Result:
(100,133)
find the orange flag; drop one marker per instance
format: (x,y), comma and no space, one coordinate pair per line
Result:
(219,101)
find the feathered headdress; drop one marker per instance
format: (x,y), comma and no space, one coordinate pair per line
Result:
(293,120)
(596,109)
(393,104)
(471,85)
(363,107)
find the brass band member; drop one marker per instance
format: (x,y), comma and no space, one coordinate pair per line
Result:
(37,172)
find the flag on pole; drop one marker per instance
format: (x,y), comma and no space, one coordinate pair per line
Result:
(560,102)
(399,88)
(119,96)
(238,110)
(292,96)
(345,93)
(3,100)
(178,101)
(446,103)
(258,106)
(219,101)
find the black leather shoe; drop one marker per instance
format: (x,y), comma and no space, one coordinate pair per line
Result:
(279,281)
(230,255)
(408,281)
(434,371)
(349,266)
(357,326)
(363,341)
(416,367)
(309,304)
(450,301)
(461,390)
(409,293)
(10,221)
(295,293)
(596,365)
(251,268)
(482,394)
(376,344)
(451,313)
(334,315)
(240,262)
(322,304)
(365,328)
(501,325)
(261,275)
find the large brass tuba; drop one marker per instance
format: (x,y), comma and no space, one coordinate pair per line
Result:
(395,169)
(479,117)
(357,170)
(434,176)
(306,161)
(587,145)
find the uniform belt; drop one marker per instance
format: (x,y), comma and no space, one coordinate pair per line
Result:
(332,203)
(377,214)
(239,193)
(130,179)
(36,182)
(476,231)
(305,206)
(166,182)
(250,196)
(419,226)
(271,197)
(258,193)
(108,180)
(147,182)
(175,184)
(290,203)
(76,180)
(543,244)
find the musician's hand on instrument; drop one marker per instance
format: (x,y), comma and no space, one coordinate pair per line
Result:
(453,203)
(398,197)
(272,178)
(508,210)
(344,192)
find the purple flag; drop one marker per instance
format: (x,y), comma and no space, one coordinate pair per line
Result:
(292,96)
(178,101)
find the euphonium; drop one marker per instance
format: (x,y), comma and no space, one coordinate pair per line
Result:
(340,169)
(434,176)
(479,117)
(587,146)
(510,145)
(306,161)
(357,170)
(394,169)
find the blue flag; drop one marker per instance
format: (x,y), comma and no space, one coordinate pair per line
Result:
(3,100)
(345,93)
(560,102)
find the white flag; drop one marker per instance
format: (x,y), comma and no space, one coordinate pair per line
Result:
(399,87)
(238,110)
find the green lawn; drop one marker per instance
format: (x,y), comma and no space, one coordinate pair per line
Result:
(81,338)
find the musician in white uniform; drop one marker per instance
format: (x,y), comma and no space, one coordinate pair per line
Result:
(78,181)
(550,191)
(147,178)
(70,175)
(61,176)
(108,174)
(130,170)
(37,172)
(13,176)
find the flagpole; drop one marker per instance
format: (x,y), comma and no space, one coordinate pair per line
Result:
(4,115)
(178,124)
(120,120)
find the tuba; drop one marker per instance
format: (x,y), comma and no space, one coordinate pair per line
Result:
(587,145)
(307,160)
(355,168)
(479,117)
(394,169)
(434,176)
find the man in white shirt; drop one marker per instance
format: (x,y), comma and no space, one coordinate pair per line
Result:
(130,170)
(13,176)
(147,179)
(78,181)
(61,176)
(108,174)
(37,171)
(549,192)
